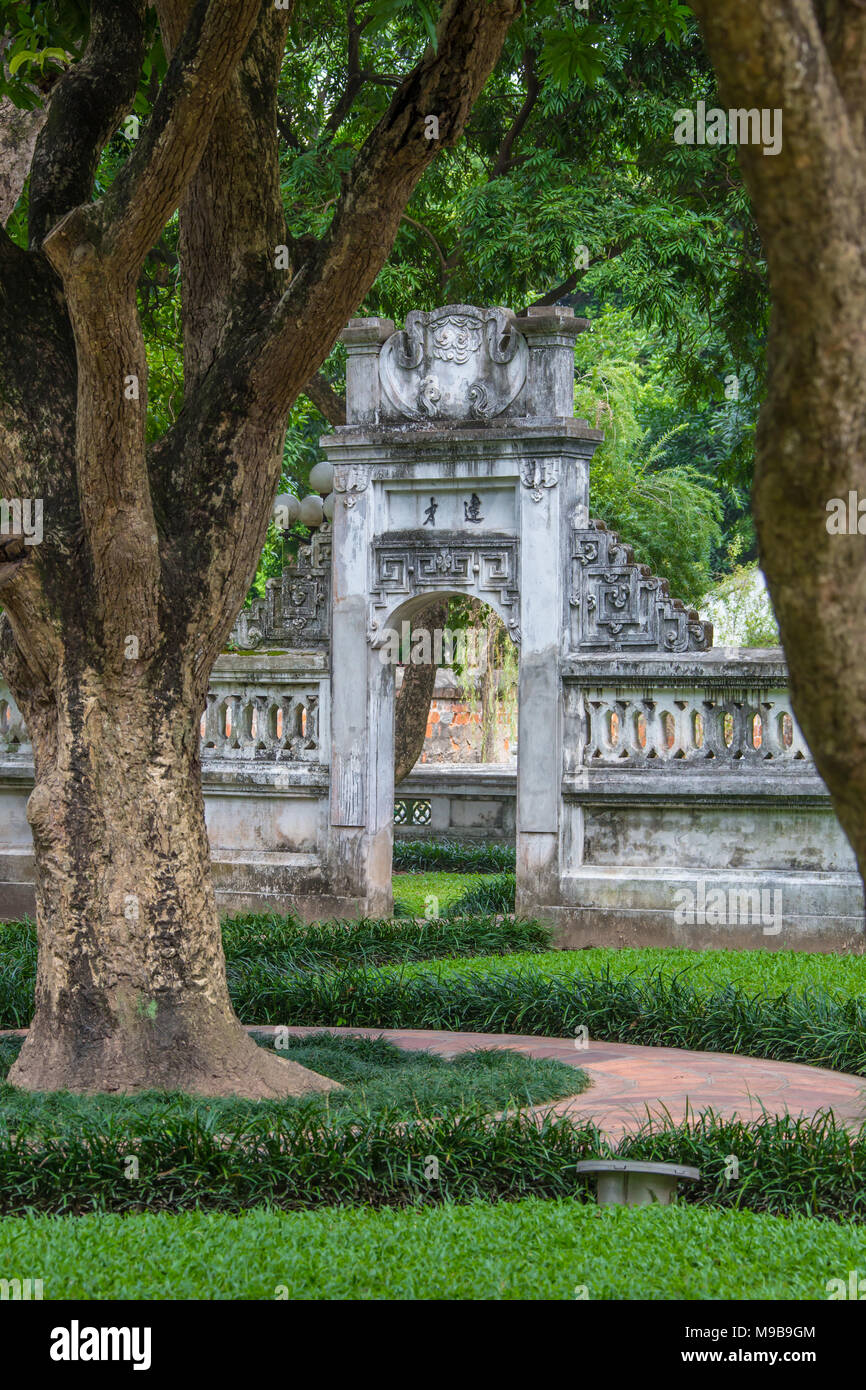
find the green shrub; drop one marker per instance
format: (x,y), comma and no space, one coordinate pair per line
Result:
(255,940)
(811,1026)
(493,895)
(201,1159)
(751,972)
(17,973)
(431,894)
(379,1079)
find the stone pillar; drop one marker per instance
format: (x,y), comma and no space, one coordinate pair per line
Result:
(363,339)
(538,714)
(550,333)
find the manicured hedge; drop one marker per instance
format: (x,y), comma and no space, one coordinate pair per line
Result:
(810,1026)
(187,1161)
(420,855)
(260,940)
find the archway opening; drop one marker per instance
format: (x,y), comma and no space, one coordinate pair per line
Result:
(455,757)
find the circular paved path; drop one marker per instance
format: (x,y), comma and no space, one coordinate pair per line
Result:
(630,1082)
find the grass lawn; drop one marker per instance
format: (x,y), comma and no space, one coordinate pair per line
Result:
(754,972)
(379,1079)
(428,894)
(524,1250)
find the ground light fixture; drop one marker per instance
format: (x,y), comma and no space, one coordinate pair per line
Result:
(624,1183)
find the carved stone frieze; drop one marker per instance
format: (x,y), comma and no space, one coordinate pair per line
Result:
(619,605)
(455,363)
(409,563)
(296,609)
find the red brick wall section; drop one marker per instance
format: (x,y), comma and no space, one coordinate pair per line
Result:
(454,734)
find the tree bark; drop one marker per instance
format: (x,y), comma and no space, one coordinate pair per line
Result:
(131,984)
(112,624)
(489,690)
(810,205)
(19,131)
(412,704)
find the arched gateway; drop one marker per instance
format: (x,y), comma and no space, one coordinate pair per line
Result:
(460,470)
(664,792)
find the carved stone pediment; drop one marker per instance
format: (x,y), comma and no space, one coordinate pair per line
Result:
(456,363)
(409,563)
(296,609)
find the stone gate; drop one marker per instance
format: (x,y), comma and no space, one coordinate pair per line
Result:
(459,472)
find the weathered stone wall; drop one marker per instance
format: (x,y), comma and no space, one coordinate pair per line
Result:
(472,803)
(692,813)
(663,794)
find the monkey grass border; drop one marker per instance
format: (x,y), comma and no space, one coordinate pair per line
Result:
(778,1165)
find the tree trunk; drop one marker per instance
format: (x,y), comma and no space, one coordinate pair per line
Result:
(131,985)
(159,543)
(489,701)
(412,705)
(806,63)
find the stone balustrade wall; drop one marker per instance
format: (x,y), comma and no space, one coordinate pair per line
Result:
(680,773)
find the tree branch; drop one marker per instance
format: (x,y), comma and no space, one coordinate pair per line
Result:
(445,85)
(127,221)
(231,214)
(443,265)
(533,87)
(98,249)
(355,78)
(225,449)
(326,400)
(85,107)
(19,131)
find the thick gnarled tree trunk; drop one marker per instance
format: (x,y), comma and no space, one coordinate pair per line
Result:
(131,977)
(112,624)
(808,61)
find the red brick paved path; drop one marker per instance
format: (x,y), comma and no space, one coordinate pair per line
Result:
(628,1081)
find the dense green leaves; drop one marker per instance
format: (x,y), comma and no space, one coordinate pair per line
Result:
(566,185)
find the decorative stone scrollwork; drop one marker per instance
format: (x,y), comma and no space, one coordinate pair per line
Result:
(408,563)
(620,606)
(349,482)
(537,477)
(296,609)
(456,363)
(684,727)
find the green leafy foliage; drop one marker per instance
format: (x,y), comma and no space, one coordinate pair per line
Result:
(669,512)
(565,186)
